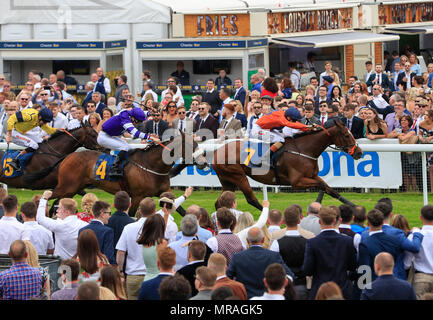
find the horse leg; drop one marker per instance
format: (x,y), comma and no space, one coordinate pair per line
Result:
(320,196)
(333,193)
(244,186)
(134,206)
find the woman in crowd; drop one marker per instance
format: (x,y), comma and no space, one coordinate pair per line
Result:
(255,96)
(238,106)
(375,128)
(205,221)
(152,238)
(425,135)
(329,291)
(110,278)
(89,256)
(337,95)
(269,88)
(170,113)
(414,65)
(310,91)
(300,99)
(399,221)
(94,119)
(33,261)
(87,203)
(106,114)
(286,89)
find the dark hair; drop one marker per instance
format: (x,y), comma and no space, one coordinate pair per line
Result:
(340,95)
(359,214)
(427,212)
(74,267)
(88,290)
(375,217)
(226,199)
(174,288)
(275,276)
(270,84)
(226,91)
(399,221)
(29,209)
(109,110)
(291,216)
(98,207)
(124,78)
(88,251)
(221,293)
(111,279)
(205,221)
(408,118)
(385,207)
(346,213)
(122,201)
(224,217)
(10,203)
(369,62)
(152,231)
(197,249)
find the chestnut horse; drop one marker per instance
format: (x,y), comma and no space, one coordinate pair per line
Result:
(296,166)
(41,171)
(146,172)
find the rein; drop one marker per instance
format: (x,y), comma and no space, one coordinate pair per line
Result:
(148,170)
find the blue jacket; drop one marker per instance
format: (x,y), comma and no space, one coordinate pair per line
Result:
(149,288)
(100,107)
(387,287)
(105,237)
(405,244)
(117,222)
(258,87)
(242,118)
(248,267)
(241,95)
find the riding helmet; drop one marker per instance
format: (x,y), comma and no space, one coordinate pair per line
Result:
(293,113)
(138,114)
(46,115)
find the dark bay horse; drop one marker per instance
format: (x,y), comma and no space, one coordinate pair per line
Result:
(296,166)
(146,174)
(41,171)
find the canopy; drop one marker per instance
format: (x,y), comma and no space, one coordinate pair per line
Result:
(410,30)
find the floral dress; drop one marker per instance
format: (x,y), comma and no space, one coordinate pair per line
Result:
(85,276)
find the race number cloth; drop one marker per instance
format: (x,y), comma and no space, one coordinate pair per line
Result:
(252,152)
(103,166)
(7,169)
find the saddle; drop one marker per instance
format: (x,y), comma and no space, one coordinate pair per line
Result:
(7,167)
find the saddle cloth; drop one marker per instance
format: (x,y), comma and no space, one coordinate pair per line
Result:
(8,156)
(103,166)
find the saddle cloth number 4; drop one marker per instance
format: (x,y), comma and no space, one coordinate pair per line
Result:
(102,170)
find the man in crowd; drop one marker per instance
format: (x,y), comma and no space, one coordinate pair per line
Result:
(181,74)
(121,85)
(222,79)
(105,81)
(69,275)
(378,77)
(188,227)
(240,92)
(275,281)
(205,279)
(120,218)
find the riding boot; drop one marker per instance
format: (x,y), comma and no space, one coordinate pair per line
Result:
(116,168)
(271,151)
(15,163)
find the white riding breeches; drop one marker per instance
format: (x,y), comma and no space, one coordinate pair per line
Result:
(31,138)
(272,136)
(112,143)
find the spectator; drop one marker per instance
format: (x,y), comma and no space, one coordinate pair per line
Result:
(405,77)
(211,96)
(225,242)
(69,271)
(60,121)
(311,221)
(399,221)
(393,119)
(230,127)
(87,203)
(240,93)
(275,219)
(119,219)
(10,228)
(256,80)
(275,281)
(177,97)
(104,234)
(378,77)
(69,81)
(207,125)
(352,122)
(40,237)
(181,74)
(414,65)
(195,255)
(422,263)
(3,195)
(222,79)
(65,227)
(205,221)
(20,281)
(166,260)
(295,76)
(227,199)
(106,114)
(205,279)
(359,217)
(192,113)
(120,86)
(239,267)
(386,286)
(89,256)
(375,128)
(133,267)
(346,216)
(156,125)
(202,233)
(33,261)
(218,263)
(330,255)
(426,128)
(291,247)
(188,227)
(256,115)
(110,278)
(182,123)
(170,113)
(269,88)
(223,293)
(97,98)
(329,291)
(88,291)
(174,288)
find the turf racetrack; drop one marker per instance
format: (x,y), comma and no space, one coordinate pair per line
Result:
(408,204)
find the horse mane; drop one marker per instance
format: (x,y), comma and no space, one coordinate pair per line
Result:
(329,124)
(59,133)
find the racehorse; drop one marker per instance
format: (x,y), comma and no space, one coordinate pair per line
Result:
(146,172)
(296,166)
(41,171)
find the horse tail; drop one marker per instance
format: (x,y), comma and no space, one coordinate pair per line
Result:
(33,177)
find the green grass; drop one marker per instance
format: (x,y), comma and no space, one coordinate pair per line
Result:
(408,204)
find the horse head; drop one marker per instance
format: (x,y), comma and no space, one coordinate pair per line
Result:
(183,145)
(87,137)
(344,140)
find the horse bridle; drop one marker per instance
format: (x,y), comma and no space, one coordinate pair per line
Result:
(351,148)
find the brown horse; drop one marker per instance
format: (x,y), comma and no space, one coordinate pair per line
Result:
(296,166)
(145,173)
(41,171)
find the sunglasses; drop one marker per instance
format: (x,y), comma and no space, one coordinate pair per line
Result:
(194,104)
(24,99)
(257,107)
(2,78)
(155,115)
(172,106)
(201,108)
(44,94)
(29,84)
(182,112)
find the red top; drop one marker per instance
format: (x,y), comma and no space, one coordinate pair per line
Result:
(268,93)
(277,119)
(85,217)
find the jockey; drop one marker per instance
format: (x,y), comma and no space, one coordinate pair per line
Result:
(113,128)
(277,126)
(20,130)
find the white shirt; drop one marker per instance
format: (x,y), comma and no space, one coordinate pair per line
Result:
(290,233)
(177,94)
(295,76)
(60,121)
(73,124)
(325,118)
(268,296)
(380,102)
(423,260)
(10,230)
(356,238)
(243,234)
(183,122)
(172,229)
(107,86)
(213,242)
(65,231)
(272,229)
(153,93)
(40,237)
(128,242)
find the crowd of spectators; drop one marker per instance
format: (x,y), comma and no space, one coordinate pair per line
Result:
(327,254)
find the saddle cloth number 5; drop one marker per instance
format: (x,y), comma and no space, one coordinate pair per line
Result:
(102,170)
(7,168)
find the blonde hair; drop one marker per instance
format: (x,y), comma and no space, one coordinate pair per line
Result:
(69,204)
(106,294)
(244,221)
(87,202)
(32,255)
(267,242)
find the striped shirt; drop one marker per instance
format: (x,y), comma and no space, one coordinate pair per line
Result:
(20,282)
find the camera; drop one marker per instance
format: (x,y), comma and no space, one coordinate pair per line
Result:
(168,205)
(47,88)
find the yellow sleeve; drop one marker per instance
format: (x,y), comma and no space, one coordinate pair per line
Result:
(11,122)
(48,129)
